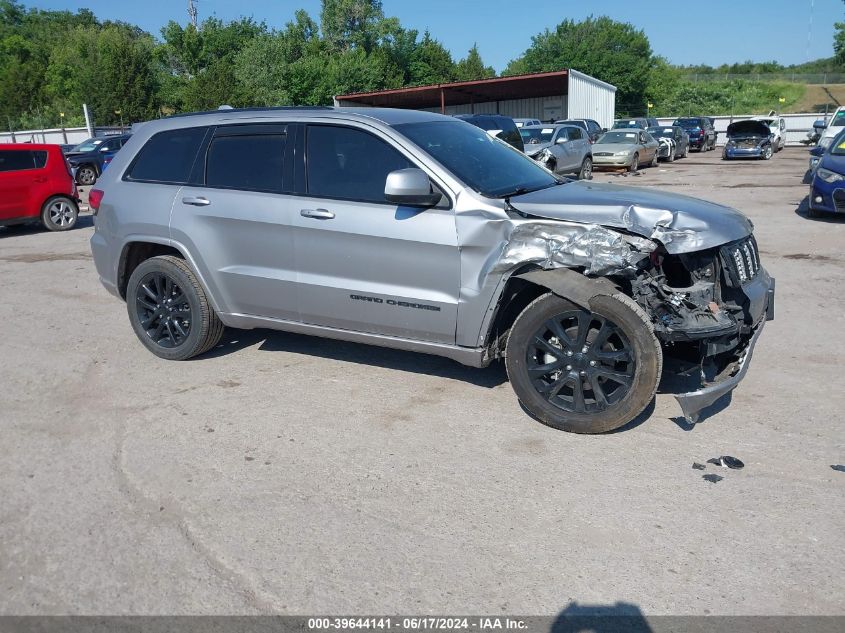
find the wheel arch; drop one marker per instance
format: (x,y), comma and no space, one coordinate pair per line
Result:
(140,248)
(526,284)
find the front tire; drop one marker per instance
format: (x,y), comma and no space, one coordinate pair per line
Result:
(635,163)
(586,172)
(169,310)
(582,371)
(767,153)
(59,213)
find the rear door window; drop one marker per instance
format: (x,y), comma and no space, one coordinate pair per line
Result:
(16,160)
(168,156)
(249,159)
(40,157)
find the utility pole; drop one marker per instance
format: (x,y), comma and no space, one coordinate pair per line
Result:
(192,12)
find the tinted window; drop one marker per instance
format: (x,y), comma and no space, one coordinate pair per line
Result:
(16,160)
(346,163)
(168,156)
(251,162)
(40,158)
(483,163)
(574,134)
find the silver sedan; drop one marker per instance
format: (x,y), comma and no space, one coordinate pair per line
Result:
(628,148)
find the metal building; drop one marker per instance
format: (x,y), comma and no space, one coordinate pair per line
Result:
(562,94)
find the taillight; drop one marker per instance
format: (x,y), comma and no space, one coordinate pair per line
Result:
(95,197)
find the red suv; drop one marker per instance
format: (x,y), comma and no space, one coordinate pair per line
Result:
(36,184)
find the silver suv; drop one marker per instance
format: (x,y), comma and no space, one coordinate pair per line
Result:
(563,149)
(417,231)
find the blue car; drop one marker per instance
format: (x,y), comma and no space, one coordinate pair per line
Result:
(827,190)
(87,158)
(748,139)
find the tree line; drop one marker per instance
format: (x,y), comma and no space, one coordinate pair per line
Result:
(53,61)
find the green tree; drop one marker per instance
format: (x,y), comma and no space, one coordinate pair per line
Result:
(472,67)
(348,24)
(614,52)
(839,42)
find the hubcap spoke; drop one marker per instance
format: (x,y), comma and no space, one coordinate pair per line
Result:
(578,395)
(614,356)
(555,326)
(542,370)
(617,377)
(547,347)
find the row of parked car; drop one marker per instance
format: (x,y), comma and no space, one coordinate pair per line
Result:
(576,146)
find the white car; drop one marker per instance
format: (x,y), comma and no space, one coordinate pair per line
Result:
(836,125)
(778,127)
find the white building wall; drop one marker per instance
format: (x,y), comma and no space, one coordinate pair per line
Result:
(590,98)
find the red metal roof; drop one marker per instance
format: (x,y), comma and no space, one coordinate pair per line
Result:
(463,92)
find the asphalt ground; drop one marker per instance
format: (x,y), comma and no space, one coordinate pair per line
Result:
(287,474)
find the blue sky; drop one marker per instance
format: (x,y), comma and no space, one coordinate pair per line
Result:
(715,32)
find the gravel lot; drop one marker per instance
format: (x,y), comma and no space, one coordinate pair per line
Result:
(288,474)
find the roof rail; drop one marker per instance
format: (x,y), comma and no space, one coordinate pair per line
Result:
(256,109)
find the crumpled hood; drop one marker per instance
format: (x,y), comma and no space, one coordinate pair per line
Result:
(533,148)
(681,223)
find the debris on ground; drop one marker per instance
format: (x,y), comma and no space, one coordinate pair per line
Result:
(698,466)
(713,479)
(726,461)
(839,467)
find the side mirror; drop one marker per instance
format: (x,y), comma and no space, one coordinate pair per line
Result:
(410,187)
(818,150)
(604,129)
(561,140)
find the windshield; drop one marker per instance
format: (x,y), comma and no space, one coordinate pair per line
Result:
(685,123)
(487,165)
(627,123)
(839,119)
(619,137)
(661,132)
(536,135)
(837,148)
(88,146)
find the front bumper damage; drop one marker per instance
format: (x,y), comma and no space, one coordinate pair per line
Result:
(694,402)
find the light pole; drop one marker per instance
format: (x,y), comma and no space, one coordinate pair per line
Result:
(62,125)
(120,114)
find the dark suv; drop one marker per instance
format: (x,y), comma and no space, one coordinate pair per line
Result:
(504,127)
(89,157)
(702,134)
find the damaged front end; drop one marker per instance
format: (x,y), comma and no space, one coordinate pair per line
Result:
(708,310)
(696,273)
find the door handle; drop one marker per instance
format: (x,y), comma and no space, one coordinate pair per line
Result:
(319,214)
(198,201)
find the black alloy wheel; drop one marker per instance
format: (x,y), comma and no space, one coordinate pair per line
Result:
(163,310)
(169,309)
(580,362)
(580,370)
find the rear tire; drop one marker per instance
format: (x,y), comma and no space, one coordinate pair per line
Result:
(582,371)
(169,310)
(59,213)
(586,172)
